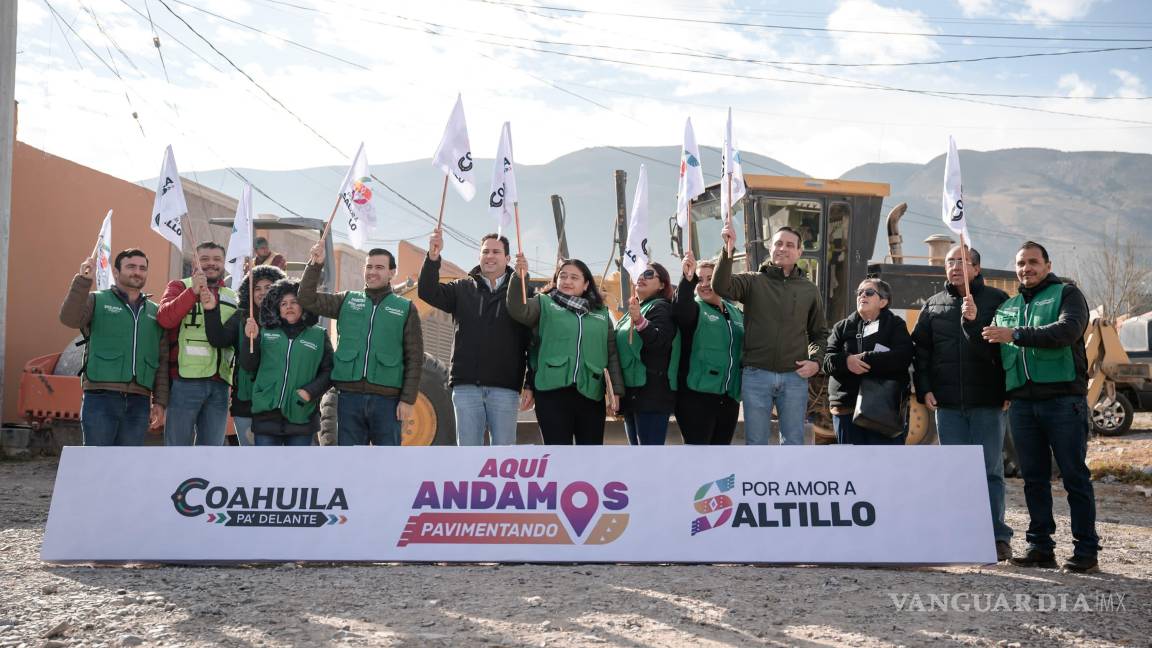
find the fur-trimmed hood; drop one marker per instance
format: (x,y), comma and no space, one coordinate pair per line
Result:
(259,273)
(270,307)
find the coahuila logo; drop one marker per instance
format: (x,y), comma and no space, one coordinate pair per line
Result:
(795,504)
(511,502)
(260,506)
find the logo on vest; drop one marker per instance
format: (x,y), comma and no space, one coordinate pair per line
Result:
(114,309)
(1045,302)
(356,303)
(394,311)
(711,317)
(310,345)
(271,336)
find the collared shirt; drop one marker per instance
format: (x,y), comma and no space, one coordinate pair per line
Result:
(494,286)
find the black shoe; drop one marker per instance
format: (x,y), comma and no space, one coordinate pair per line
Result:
(1036,558)
(1003,551)
(1082,564)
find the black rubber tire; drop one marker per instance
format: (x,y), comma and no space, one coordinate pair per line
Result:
(1116,420)
(434,387)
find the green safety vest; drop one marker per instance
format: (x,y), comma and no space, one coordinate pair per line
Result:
(714,364)
(197,358)
(1040,365)
(573,349)
(635,373)
(370,340)
(123,345)
(286,365)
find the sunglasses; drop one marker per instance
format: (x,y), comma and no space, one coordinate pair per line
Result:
(866,292)
(647,274)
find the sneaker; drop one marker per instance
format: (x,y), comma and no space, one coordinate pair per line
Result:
(1036,558)
(1082,564)
(1003,551)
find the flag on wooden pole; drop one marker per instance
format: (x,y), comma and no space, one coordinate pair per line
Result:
(104,254)
(240,243)
(502,200)
(635,250)
(952,207)
(691,175)
(454,155)
(732,187)
(356,197)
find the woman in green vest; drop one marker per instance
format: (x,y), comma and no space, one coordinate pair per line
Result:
(649,351)
(230,335)
(292,363)
(575,353)
(712,342)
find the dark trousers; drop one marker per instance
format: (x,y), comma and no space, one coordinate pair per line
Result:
(565,415)
(367,418)
(848,433)
(1055,427)
(706,419)
(293,440)
(646,428)
(112,418)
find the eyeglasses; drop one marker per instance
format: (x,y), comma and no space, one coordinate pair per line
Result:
(647,274)
(955,262)
(866,292)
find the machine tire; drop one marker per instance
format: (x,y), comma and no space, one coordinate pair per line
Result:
(1115,418)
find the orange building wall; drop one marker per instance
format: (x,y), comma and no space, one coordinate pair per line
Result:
(57,209)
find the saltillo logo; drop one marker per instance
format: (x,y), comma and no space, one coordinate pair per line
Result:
(793,504)
(260,506)
(512,502)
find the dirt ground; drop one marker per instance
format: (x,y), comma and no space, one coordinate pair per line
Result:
(584,605)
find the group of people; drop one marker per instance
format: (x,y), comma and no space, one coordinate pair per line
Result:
(976,357)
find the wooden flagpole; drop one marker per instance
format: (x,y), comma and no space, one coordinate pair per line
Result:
(964,262)
(251,298)
(443,197)
(328,225)
(519,250)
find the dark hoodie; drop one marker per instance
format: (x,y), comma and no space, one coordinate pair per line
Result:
(1068,330)
(489,348)
(231,333)
(274,422)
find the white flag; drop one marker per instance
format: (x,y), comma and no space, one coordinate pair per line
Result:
(733,173)
(170,208)
(953,202)
(104,254)
(454,155)
(503,198)
(240,243)
(691,175)
(356,196)
(635,256)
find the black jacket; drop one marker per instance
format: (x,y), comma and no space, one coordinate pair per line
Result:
(952,359)
(489,347)
(656,353)
(1068,330)
(845,340)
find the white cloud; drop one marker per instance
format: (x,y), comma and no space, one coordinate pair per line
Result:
(974,8)
(1130,84)
(1047,11)
(871,48)
(1073,86)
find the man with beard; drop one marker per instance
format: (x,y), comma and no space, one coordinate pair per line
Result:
(126,359)
(489,350)
(201,374)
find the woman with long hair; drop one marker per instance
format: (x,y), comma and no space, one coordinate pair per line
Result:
(575,351)
(649,349)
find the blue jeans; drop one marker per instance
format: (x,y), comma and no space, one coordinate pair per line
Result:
(243,425)
(111,418)
(848,433)
(760,391)
(1056,427)
(197,413)
(264,440)
(982,426)
(367,418)
(646,428)
(481,408)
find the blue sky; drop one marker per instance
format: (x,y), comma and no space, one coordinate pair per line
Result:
(570,75)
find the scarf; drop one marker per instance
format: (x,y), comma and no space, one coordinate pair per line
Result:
(577,305)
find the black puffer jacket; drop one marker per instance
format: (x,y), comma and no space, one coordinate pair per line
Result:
(274,422)
(952,359)
(489,348)
(845,340)
(656,353)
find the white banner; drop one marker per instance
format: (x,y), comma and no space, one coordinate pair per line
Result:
(830,504)
(454,155)
(732,173)
(169,208)
(356,197)
(104,254)
(240,243)
(691,175)
(635,249)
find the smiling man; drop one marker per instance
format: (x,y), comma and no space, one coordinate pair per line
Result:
(1041,336)
(489,349)
(201,374)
